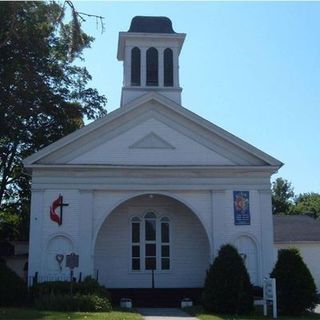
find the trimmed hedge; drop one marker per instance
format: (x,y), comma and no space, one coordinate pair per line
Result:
(88,287)
(13,290)
(62,302)
(227,287)
(296,290)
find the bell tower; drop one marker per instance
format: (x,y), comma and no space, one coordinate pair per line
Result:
(150,52)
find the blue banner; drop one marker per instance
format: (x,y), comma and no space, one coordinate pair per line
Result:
(241,207)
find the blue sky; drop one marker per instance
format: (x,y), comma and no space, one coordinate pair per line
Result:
(252,68)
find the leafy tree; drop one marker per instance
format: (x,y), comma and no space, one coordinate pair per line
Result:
(296,290)
(282,196)
(307,203)
(43,94)
(227,288)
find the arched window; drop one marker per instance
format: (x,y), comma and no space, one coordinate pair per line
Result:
(168,68)
(150,233)
(135,240)
(152,67)
(165,244)
(150,243)
(135,67)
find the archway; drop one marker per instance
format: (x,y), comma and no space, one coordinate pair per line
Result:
(152,234)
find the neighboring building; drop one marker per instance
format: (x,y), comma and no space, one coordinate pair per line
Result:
(150,186)
(301,232)
(15,254)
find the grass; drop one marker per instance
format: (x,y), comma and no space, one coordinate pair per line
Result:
(32,314)
(198,312)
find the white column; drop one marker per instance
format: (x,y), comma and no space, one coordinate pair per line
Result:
(160,67)
(266,222)
(36,232)
(218,198)
(143,67)
(86,233)
(175,52)
(127,67)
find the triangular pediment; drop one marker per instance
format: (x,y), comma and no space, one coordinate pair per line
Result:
(151,141)
(152,130)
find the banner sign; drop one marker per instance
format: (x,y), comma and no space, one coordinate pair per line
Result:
(241,207)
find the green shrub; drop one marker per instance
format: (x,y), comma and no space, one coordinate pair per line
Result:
(88,287)
(227,287)
(62,302)
(296,290)
(13,290)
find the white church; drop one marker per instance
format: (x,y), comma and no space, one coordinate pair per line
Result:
(151,188)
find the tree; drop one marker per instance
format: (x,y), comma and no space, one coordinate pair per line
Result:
(296,290)
(227,286)
(43,94)
(308,204)
(282,196)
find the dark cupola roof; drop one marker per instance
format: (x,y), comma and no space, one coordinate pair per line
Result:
(151,25)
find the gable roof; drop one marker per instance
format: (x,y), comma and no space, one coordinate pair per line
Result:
(169,106)
(295,228)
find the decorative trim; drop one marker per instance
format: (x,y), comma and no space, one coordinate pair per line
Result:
(151,141)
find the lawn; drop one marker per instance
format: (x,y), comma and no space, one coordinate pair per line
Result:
(202,315)
(15,313)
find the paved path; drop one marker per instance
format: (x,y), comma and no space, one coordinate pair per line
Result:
(164,314)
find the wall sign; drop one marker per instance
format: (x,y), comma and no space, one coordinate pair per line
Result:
(241,207)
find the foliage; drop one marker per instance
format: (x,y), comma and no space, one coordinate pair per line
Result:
(227,288)
(43,94)
(73,303)
(282,196)
(296,290)
(13,290)
(308,204)
(88,287)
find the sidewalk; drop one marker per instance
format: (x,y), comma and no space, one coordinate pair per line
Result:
(164,314)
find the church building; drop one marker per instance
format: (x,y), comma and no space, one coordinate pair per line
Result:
(146,195)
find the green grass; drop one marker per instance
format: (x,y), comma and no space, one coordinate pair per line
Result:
(258,314)
(24,313)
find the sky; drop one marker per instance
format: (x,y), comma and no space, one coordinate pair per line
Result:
(252,68)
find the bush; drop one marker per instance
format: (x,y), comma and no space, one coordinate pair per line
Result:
(88,287)
(62,302)
(13,290)
(227,287)
(296,290)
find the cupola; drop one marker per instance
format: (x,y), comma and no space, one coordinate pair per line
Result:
(150,52)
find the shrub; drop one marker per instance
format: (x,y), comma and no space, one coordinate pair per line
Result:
(88,287)
(13,290)
(227,286)
(62,302)
(296,290)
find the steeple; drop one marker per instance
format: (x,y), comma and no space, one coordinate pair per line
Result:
(150,53)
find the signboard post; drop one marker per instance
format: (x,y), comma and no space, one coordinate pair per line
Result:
(72,261)
(270,295)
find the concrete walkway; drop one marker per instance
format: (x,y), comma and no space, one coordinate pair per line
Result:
(164,314)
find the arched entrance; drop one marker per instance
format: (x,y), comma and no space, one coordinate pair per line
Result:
(152,241)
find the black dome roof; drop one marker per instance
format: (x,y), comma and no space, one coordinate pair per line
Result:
(151,25)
